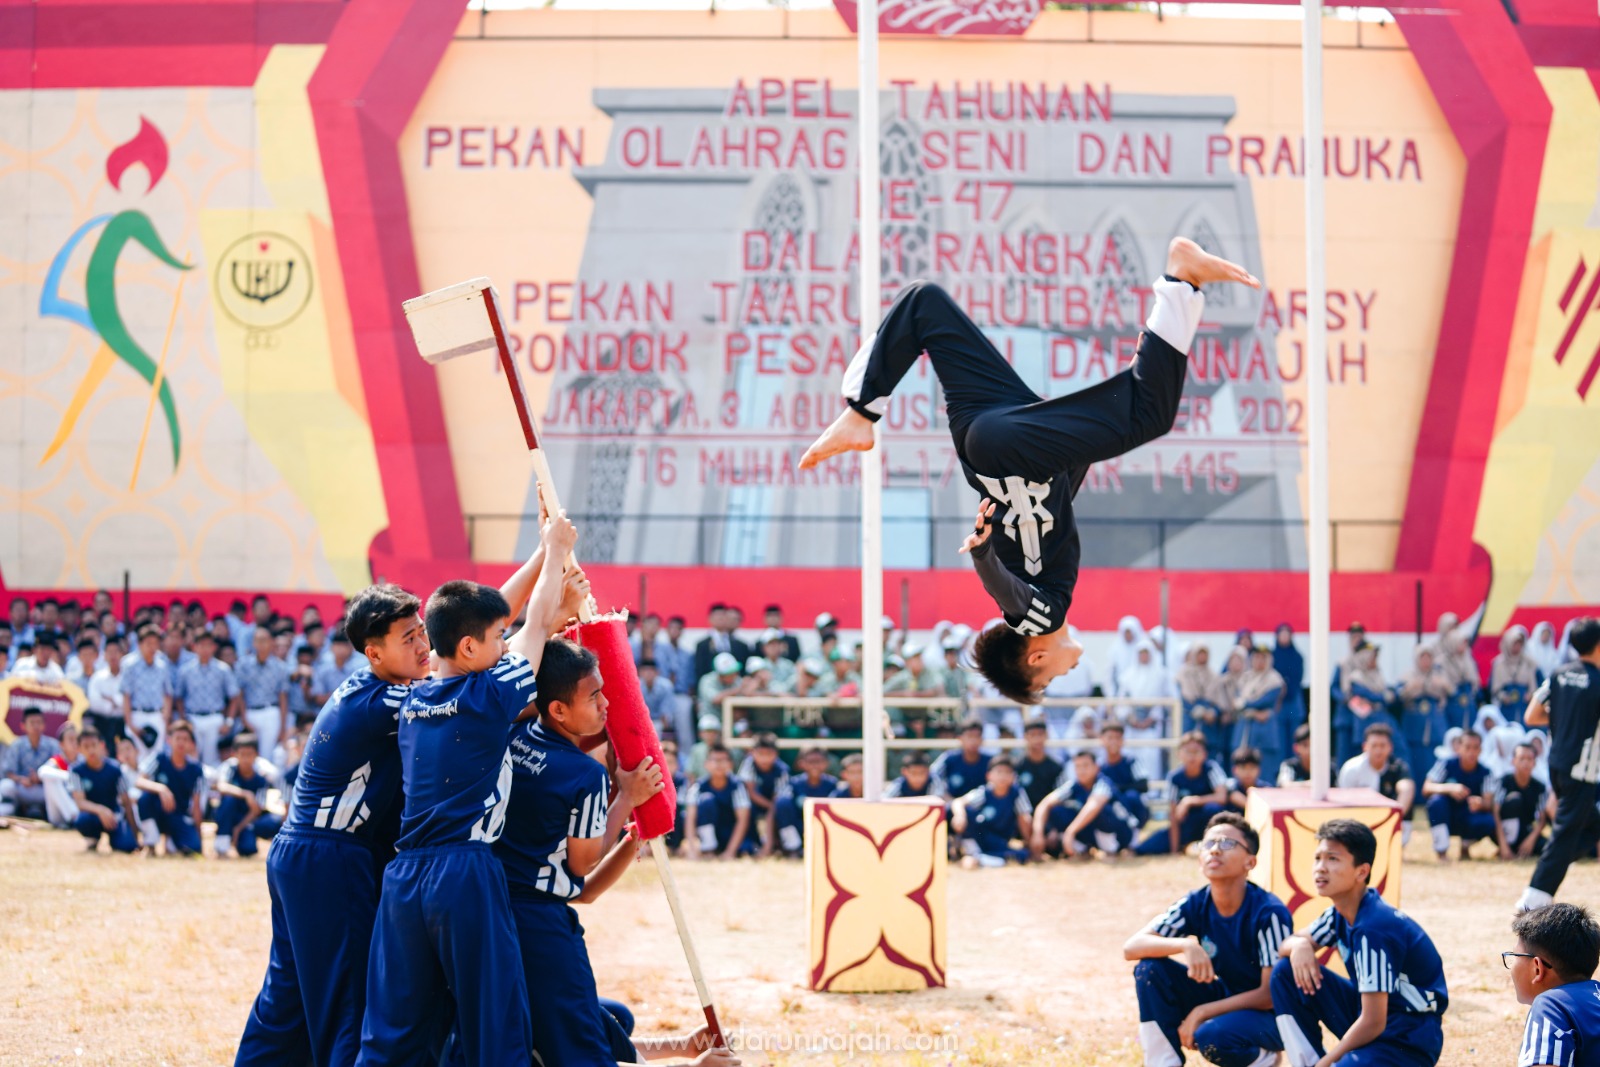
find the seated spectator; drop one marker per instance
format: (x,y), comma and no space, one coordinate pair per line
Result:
(1365,695)
(1199,690)
(1513,676)
(1388,1011)
(1424,693)
(680,785)
(1297,768)
(242,816)
(21,788)
(1196,789)
(101,795)
(765,778)
(1037,772)
(718,809)
(775,650)
(1460,801)
(757,680)
(957,679)
(845,681)
(1258,723)
(1246,764)
(1378,769)
(694,767)
(1552,971)
(55,776)
(1520,811)
(989,818)
(850,778)
(959,771)
(1218,999)
(659,699)
(772,618)
(173,787)
(1124,777)
(716,687)
(789,810)
(1082,813)
(914,779)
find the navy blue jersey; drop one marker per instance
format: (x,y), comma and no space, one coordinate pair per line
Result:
(800,787)
(349,777)
(842,791)
(1386,952)
(1519,802)
(182,781)
(989,812)
(454,754)
(769,784)
(105,786)
(729,799)
(902,788)
(1240,945)
(257,783)
(956,776)
(1038,777)
(1124,775)
(557,792)
(1203,784)
(1072,795)
(1563,1028)
(1450,772)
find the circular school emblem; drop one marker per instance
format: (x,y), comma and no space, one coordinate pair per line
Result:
(263,281)
(1210,946)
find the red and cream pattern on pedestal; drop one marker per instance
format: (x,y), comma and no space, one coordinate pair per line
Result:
(875,895)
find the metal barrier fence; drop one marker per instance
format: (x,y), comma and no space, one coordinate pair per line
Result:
(780,715)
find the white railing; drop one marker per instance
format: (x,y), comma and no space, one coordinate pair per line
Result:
(944,713)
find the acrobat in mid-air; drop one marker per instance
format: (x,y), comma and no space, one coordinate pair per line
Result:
(1027,456)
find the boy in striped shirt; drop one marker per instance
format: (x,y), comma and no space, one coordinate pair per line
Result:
(1552,969)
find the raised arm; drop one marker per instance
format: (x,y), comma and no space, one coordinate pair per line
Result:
(558,537)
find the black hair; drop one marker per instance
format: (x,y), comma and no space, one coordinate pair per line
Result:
(193,604)
(1302,732)
(205,635)
(1563,935)
(718,749)
(648,662)
(222,644)
(247,740)
(458,610)
(1114,727)
(679,619)
(23,647)
(1035,724)
(1585,635)
(261,598)
(814,750)
(148,631)
(374,610)
(1379,729)
(180,727)
(313,626)
(89,733)
(340,637)
(852,760)
(1194,737)
(971,723)
(1470,732)
(766,741)
(1520,745)
(237,605)
(1083,753)
(914,759)
(33,710)
(1001,656)
(1252,840)
(1356,837)
(1248,756)
(88,642)
(1002,760)
(564,664)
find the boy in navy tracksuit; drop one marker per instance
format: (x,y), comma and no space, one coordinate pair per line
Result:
(1459,793)
(324,868)
(1198,790)
(812,781)
(101,792)
(172,794)
(719,811)
(765,778)
(986,819)
(914,778)
(1122,774)
(1084,812)
(242,818)
(1552,970)
(444,930)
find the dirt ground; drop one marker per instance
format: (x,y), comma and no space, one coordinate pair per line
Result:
(121,960)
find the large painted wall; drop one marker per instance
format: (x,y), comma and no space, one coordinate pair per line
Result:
(209,216)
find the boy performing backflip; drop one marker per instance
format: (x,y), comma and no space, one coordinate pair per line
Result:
(1024,455)
(1205,965)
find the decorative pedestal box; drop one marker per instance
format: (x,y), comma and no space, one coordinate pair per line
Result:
(875,894)
(1287,820)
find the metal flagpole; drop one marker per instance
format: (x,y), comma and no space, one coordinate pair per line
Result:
(1317,395)
(868,178)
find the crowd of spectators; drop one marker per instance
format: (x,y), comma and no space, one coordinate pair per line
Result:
(194,717)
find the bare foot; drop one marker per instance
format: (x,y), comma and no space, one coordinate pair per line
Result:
(1189,262)
(850,432)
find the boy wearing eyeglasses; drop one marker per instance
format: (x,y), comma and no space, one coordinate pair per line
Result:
(1388,1013)
(1205,964)
(1552,970)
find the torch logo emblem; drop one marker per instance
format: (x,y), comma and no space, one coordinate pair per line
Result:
(263,281)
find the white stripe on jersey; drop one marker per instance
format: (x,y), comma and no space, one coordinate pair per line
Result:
(1270,940)
(1169,924)
(1324,932)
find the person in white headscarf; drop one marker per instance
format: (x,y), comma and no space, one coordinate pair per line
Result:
(1543,649)
(1258,723)
(1539,741)
(1513,676)
(1144,679)
(1565,653)
(1366,695)
(1452,654)
(1501,736)
(1424,692)
(1124,650)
